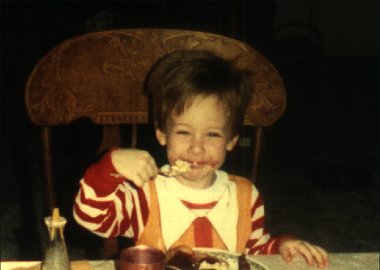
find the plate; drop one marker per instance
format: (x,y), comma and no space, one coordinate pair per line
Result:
(232,257)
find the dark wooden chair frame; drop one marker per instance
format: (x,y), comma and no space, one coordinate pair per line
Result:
(101,76)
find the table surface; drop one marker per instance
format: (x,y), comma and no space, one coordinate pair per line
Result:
(338,261)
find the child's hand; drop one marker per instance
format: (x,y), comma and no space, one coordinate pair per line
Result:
(290,247)
(135,165)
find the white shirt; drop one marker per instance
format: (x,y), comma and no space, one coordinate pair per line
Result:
(176,217)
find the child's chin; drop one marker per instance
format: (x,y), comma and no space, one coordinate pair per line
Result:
(196,176)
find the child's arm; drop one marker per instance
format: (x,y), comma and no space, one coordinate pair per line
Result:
(260,241)
(288,246)
(108,205)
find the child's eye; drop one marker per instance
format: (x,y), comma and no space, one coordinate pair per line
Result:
(182,132)
(214,134)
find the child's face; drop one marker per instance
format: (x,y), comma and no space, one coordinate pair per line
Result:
(201,136)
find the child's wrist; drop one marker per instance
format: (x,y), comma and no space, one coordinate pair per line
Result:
(103,176)
(282,239)
(286,237)
(108,168)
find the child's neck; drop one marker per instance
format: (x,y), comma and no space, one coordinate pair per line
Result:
(197,184)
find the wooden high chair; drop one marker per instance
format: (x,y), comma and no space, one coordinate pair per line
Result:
(101,76)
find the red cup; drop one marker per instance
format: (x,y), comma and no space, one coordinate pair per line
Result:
(142,258)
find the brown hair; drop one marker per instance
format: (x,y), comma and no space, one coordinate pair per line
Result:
(177,78)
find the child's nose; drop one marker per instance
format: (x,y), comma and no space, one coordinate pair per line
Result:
(196,145)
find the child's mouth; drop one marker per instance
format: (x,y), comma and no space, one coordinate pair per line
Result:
(200,164)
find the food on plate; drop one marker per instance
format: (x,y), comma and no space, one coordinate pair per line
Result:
(184,258)
(243,263)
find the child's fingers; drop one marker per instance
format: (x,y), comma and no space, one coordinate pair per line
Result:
(145,174)
(137,179)
(288,254)
(146,166)
(319,255)
(152,168)
(324,257)
(141,176)
(304,249)
(312,254)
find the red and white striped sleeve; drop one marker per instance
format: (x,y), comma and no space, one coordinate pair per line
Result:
(108,205)
(260,241)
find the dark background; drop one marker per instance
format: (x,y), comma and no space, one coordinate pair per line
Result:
(327,53)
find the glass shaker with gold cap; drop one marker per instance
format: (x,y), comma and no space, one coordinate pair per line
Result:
(56,256)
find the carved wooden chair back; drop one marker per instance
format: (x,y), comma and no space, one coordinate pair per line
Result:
(101,76)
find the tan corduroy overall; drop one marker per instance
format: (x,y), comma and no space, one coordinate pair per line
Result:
(152,236)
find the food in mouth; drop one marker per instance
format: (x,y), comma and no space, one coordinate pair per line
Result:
(179,167)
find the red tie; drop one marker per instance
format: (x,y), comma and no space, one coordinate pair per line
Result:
(202,232)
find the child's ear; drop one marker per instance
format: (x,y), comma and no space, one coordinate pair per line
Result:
(232,143)
(161,136)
